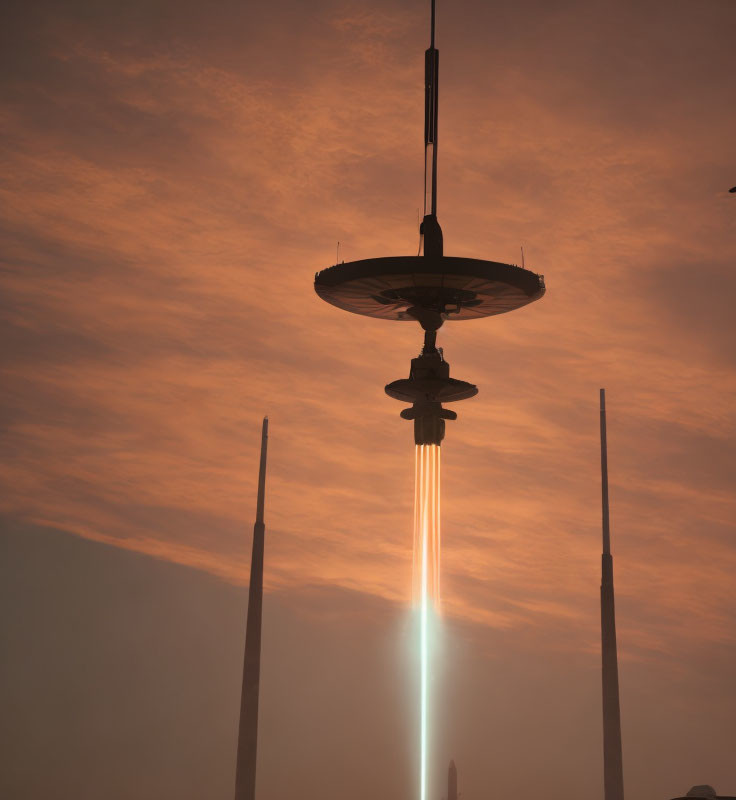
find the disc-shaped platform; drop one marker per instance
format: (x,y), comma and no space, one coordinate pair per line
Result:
(458,288)
(438,390)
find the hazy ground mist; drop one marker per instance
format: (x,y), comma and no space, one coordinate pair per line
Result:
(121,679)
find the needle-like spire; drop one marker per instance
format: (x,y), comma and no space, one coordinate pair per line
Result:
(430,228)
(245,772)
(431,64)
(604,478)
(613,771)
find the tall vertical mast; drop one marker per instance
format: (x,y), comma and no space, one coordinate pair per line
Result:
(431,95)
(430,227)
(245,771)
(613,774)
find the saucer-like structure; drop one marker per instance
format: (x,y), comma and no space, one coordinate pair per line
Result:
(456,288)
(431,389)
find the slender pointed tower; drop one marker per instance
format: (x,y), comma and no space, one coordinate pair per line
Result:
(613,771)
(452,782)
(245,770)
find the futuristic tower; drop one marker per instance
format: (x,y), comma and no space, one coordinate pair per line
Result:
(613,770)
(430,289)
(245,770)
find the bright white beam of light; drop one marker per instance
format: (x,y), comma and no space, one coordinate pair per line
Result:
(426,578)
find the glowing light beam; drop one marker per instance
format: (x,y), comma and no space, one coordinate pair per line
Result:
(426,579)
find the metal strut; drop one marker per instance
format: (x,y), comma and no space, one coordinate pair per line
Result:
(431,65)
(430,228)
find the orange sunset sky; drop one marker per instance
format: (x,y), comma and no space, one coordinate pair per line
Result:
(174,173)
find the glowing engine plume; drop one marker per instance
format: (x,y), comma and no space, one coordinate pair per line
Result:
(427,525)
(426,578)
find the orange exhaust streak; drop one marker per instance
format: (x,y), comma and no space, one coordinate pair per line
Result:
(427,525)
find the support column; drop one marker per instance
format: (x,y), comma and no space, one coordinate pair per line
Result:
(613,771)
(245,772)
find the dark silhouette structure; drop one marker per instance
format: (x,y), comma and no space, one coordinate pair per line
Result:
(613,771)
(245,770)
(452,782)
(429,288)
(428,386)
(704,792)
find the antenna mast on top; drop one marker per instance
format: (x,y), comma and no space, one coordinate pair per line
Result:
(430,228)
(431,64)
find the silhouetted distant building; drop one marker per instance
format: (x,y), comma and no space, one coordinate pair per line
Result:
(704,792)
(452,782)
